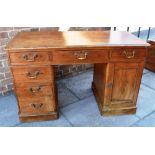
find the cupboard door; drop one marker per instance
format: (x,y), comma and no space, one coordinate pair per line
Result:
(125,84)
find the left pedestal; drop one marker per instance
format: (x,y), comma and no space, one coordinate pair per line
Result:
(36,92)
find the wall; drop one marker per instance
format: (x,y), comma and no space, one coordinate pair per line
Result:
(7,33)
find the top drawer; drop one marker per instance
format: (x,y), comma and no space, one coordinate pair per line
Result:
(80,56)
(130,54)
(28,57)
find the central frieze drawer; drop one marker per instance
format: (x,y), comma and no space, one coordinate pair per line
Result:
(32,74)
(80,56)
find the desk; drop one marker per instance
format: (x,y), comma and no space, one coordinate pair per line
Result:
(118,59)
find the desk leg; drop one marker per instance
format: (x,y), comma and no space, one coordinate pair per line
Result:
(116,87)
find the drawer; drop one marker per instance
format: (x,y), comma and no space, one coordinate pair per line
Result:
(28,57)
(80,56)
(123,54)
(32,74)
(34,89)
(36,105)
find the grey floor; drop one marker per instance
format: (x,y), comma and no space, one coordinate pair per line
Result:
(78,106)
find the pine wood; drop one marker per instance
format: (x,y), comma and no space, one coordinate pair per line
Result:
(20,74)
(118,59)
(36,104)
(31,89)
(20,58)
(50,40)
(118,54)
(70,57)
(120,87)
(40,117)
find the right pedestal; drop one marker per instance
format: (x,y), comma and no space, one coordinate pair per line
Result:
(116,87)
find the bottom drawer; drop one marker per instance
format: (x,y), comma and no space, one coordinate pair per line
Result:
(37,105)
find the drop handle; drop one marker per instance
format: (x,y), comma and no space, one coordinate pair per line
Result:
(129,55)
(36,105)
(33,75)
(81,55)
(30,58)
(34,90)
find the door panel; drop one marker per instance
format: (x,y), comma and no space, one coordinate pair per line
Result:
(124,84)
(120,82)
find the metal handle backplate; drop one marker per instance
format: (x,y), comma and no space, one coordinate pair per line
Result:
(129,55)
(36,105)
(81,55)
(33,75)
(30,57)
(34,89)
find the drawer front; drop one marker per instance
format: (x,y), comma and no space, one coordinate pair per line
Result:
(32,89)
(28,57)
(36,105)
(130,54)
(80,56)
(32,74)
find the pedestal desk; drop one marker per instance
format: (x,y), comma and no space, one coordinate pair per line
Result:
(118,59)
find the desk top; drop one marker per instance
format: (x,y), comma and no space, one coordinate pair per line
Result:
(44,40)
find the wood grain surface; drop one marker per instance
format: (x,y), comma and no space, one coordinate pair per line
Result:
(44,40)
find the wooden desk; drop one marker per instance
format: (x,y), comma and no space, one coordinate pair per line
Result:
(118,59)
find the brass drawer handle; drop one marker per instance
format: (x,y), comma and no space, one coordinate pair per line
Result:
(30,58)
(81,55)
(34,90)
(129,55)
(36,105)
(33,76)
